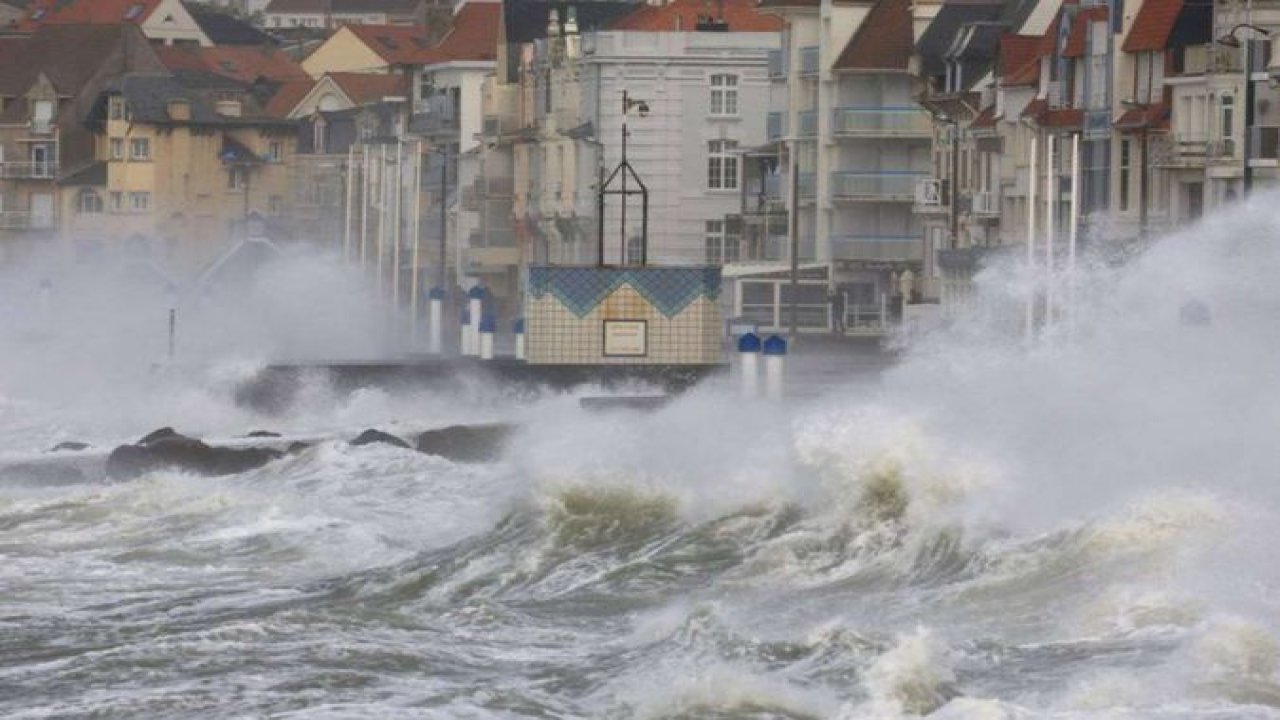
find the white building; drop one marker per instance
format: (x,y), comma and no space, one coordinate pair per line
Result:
(284,14)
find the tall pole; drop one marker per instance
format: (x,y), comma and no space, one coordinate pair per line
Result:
(626,260)
(1248,116)
(794,223)
(1074,228)
(415,290)
(1051,223)
(383,224)
(600,213)
(1031,240)
(350,176)
(955,185)
(364,206)
(444,218)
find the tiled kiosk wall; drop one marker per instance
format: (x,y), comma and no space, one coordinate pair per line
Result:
(567,308)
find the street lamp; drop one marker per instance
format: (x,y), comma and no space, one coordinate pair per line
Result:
(624,169)
(1232,40)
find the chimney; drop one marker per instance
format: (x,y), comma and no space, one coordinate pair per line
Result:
(553,23)
(179,110)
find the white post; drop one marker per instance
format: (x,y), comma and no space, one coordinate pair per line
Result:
(487,327)
(775,355)
(382,221)
(519,333)
(415,285)
(364,206)
(437,322)
(1031,240)
(749,364)
(397,233)
(1074,228)
(464,328)
(476,308)
(1051,226)
(350,201)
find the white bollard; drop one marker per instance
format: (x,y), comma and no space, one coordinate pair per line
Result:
(464,328)
(749,364)
(436,318)
(518,328)
(487,327)
(476,307)
(775,355)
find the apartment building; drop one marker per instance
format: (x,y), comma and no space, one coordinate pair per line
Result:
(288,14)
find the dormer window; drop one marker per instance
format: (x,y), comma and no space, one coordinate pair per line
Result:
(115,108)
(42,115)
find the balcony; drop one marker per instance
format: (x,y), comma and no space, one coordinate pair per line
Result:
(881,122)
(809,60)
(42,127)
(777,65)
(932,196)
(877,247)
(436,115)
(28,170)
(775,125)
(985,204)
(1187,150)
(14,220)
(883,186)
(806,185)
(808,122)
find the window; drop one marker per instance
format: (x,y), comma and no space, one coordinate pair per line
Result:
(722,165)
(89,202)
(140,149)
(722,246)
(235,178)
(115,108)
(42,115)
(275,151)
(724,95)
(1227,128)
(117,148)
(275,204)
(140,201)
(117,201)
(1125,161)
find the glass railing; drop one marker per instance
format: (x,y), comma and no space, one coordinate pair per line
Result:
(882,185)
(881,121)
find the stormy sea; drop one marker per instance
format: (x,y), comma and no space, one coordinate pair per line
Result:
(1078,526)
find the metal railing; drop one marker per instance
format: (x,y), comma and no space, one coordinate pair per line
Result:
(41,127)
(883,185)
(985,202)
(28,170)
(877,247)
(809,60)
(808,122)
(15,220)
(881,121)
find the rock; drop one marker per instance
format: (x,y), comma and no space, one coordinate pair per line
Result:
(369,437)
(262,434)
(178,452)
(466,443)
(42,473)
(296,447)
(157,435)
(70,445)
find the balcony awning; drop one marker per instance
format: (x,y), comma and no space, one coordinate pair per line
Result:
(1154,116)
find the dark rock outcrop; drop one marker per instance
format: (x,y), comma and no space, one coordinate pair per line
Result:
(369,437)
(466,443)
(262,434)
(69,445)
(169,450)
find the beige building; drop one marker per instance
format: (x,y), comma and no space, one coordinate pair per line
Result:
(368,49)
(165,22)
(178,172)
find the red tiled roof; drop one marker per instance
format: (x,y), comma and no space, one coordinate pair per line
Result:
(1024,76)
(1077,38)
(1151,28)
(677,15)
(365,87)
(97,12)
(884,41)
(396,44)
(1061,118)
(474,35)
(287,97)
(985,119)
(1016,51)
(245,64)
(1155,116)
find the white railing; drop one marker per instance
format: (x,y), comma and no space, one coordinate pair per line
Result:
(14,220)
(885,121)
(891,185)
(28,170)
(41,127)
(986,202)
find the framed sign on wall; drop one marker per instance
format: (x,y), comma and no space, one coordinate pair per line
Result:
(626,338)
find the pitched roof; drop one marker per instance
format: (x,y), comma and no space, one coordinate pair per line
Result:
(474,35)
(94,173)
(149,95)
(1044,116)
(342,6)
(1155,115)
(1016,51)
(985,119)
(1077,39)
(69,55)
(396,44)
(367,87)
(938,38)
(242,63)
(737,15)
(45,12)
(526,20)
(884,40)
(224,29)
(287,96)
(1150,29)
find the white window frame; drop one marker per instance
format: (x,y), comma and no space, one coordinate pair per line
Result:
(139,201)
(94,207)
(718,242)
(722,165)
(275,150)
(140,144)
(724,95)
(117,201)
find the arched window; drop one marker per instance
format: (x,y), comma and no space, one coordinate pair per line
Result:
(89,202)
(329,102)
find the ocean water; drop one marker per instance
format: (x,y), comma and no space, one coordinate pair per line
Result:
(1080,527)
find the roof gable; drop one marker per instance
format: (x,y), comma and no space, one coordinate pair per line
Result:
(245,64)
(474,35)
(883,41)
(395,44)
(1152,26)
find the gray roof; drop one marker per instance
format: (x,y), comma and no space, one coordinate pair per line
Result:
(148,96)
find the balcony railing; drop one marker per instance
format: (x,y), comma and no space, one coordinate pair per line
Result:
(877,247)
(931,193)
(809,60)
(777,64)
(881,122)
(41,127)
(28,170)
(891,185)
(985,202)
(436,114)
(15,220)
(775,125)
(808,122)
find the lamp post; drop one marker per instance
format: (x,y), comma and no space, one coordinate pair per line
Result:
(1232,39)
(624,170)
